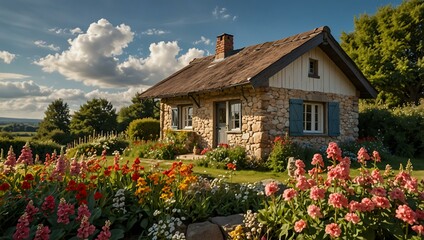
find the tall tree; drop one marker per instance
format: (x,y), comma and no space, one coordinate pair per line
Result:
(95,115)
(389,48)
(140,108)
(56,120)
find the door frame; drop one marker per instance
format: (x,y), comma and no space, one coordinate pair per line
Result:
(216,127)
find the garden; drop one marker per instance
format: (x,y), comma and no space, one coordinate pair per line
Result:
(91,196)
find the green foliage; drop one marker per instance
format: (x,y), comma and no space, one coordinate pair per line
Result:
(184,141)
(389,50)
(283,149)
(111,144)
(350,148)
(140,108)
(6,135)
(400,129)
(144,129)
(223,154)
(37,147)
(97,115)
(18,127)
(55,125)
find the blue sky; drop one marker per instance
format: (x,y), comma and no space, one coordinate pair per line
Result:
(77,50)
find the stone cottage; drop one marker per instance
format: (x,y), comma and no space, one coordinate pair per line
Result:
(304,85)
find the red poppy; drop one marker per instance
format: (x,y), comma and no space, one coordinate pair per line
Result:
(97,196)
(26,185)
(4,187)
(29,177)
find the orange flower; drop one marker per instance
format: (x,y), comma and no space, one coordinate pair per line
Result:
(154,177)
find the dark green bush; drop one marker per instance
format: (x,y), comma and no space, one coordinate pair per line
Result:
(283,149)
(400,129)
(223,154)
(37,147)
(184,141)
(144,129)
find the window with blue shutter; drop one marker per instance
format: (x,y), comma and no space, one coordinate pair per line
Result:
(296,117)
(333,119)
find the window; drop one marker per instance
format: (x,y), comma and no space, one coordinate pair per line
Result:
(313,68)
(235,115)
(174,118)
(187,117)
(313,118)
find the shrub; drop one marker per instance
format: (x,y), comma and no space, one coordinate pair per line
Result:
(41,148)
(111,144)
(281,151)
(223,154)
(144,129)
(183,141)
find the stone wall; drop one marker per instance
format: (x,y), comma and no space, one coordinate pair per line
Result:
(265,115)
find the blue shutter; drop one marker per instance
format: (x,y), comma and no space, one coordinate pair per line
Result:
(296,117)
(333,119)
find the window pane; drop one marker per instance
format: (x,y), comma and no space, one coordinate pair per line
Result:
(174,117)
(235,115)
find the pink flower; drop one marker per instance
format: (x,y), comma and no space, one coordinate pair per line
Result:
(289,194)
(334,152)
(355,206)
(352,217)
(26,155)
(367,205)
(302,183)
(401,178)
(48,205)
(340,171)
(271,188)
(405,213)
(299,172)
(412,185)
(42,232)
(22,228)
(312,182)
(397,194)
(378,191)
(337,200)
(333,230)
(381,202)
(85,229)
(9,164)
(64,210)
(317,193)
(105,233)
(419,229)
(376,176)
(31,210)
(83,211)
(300,164)
(300,225)
(376,156)
(317,160)
(75,167)
(363,155)
(314,211)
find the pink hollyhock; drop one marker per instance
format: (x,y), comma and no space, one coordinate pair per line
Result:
(317,160)
(302,183)
(26,155)
(419,229)
(42,232)
(64,210)
(312,182)
(363,155)
(83,211)
(352,217)
(299,172)
(105,234)
(412,185)
(22,228)
(300,225)
(334,152)
(355,206)
(31,210)
(397,194)
(75,168)
(338,200)
(376,176)
(367,205)
(405,213)
(401,178)
(48,205)
(314,211)
(271,188)
(381,202)
(289,194)
(9,164)
(333,230)
(378,191)
(85,229)
(376,156)
(300,164)
(317,193)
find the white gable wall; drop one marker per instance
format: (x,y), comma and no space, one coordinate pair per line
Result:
(331,78)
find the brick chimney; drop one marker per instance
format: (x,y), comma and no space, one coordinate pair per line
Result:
(224,46)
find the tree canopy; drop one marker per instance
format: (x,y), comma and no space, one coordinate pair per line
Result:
(96,115)
(55,124)
(140,108)
(389,49)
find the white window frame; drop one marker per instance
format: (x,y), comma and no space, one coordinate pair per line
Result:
(231,115)
(317,119)
(313,68)
(175,119)
(187,117)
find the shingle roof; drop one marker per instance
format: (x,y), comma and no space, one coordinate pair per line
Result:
(254,65)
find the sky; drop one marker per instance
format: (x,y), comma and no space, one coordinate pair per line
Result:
(78,50)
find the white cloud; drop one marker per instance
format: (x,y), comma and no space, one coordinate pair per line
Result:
(92,58)
(66,31)
(154,31)
(7,57)
(43,44)
(222,13)
(11,76)
(22,89)
(76,31)
(203,40)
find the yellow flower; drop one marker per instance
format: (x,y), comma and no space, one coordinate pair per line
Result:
(237,233)
(154,177)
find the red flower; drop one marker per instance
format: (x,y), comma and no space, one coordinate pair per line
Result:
(137,161)
(94,177)
(135,176)
(48,205)
(97,196)
(107,173)
(231,166)
(72,186)
(29,177)
(4,187)
(26,185)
